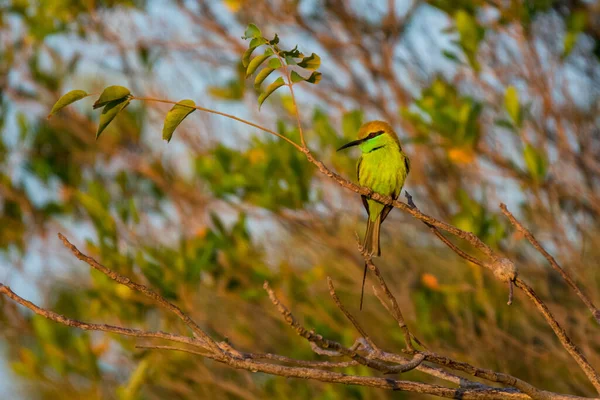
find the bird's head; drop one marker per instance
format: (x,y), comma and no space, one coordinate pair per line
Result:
(374,135)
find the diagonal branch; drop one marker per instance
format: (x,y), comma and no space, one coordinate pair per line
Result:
(210,111)
(282,370)
(349,316)
(560,333)
(443,238)
(328,344)
(493,376)
(198,332)
(395,309)
(61,319)
(586,300)
(370,381)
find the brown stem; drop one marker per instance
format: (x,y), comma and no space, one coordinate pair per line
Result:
(443,238)
(369,381)
(210,344)
(586,300)
(395,309)
(587,368)
(328,344)
(61,319)
(493,376)
(348,315)
(208,110)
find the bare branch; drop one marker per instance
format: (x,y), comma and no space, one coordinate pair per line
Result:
(492,376)
(586,300)
(443,238)
(325,343)
(61,319)
(348,315)
(318,339)
(302,363)
(368,381)
(395,309)
(209,343)
(567,343)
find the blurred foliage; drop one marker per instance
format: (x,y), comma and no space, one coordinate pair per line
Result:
(442,111)
(266,175)
(502,107)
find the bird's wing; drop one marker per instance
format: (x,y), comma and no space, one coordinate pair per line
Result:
(386,210)
(363,197)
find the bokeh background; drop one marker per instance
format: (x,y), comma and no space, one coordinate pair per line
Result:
(494,101)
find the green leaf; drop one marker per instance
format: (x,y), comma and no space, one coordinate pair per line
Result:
(99,213)
(274,41)
(569,43)
(111,93)
(254,43)
(536,162)
(274,63)
(261,76)
(470,35)
(246,56)
(175,116)
(314,78)
(67,99)
(109,113)
(252,31)
(511,102)
(504,123)
(255,63)
(294,53)
(312,62)
(576,23)
(269,90)
(451,56)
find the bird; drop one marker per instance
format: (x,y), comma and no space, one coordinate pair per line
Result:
(382,167)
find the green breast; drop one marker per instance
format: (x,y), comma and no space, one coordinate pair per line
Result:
(383,170)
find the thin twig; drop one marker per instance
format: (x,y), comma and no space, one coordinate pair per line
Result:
(493,376)
(174,348)
(203,336)
(208,110)
(534,242)
(260,356)
(444,239)
(302,363)
(290,85)
(387,200)
(326,343)
(560,333)
(395,309)
(274,369)
(61,319)
(349,316)
(369,381)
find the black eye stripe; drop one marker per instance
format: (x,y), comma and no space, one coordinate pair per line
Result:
(373,134)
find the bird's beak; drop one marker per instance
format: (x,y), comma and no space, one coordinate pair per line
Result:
(353,143)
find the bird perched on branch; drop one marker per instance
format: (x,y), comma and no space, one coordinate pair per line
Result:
(382,167)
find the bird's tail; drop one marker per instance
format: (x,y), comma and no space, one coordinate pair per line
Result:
(371,246)
(371,243)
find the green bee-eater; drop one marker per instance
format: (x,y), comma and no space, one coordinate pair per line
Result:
(383,167)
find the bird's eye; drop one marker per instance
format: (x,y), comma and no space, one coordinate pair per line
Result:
(373,134)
